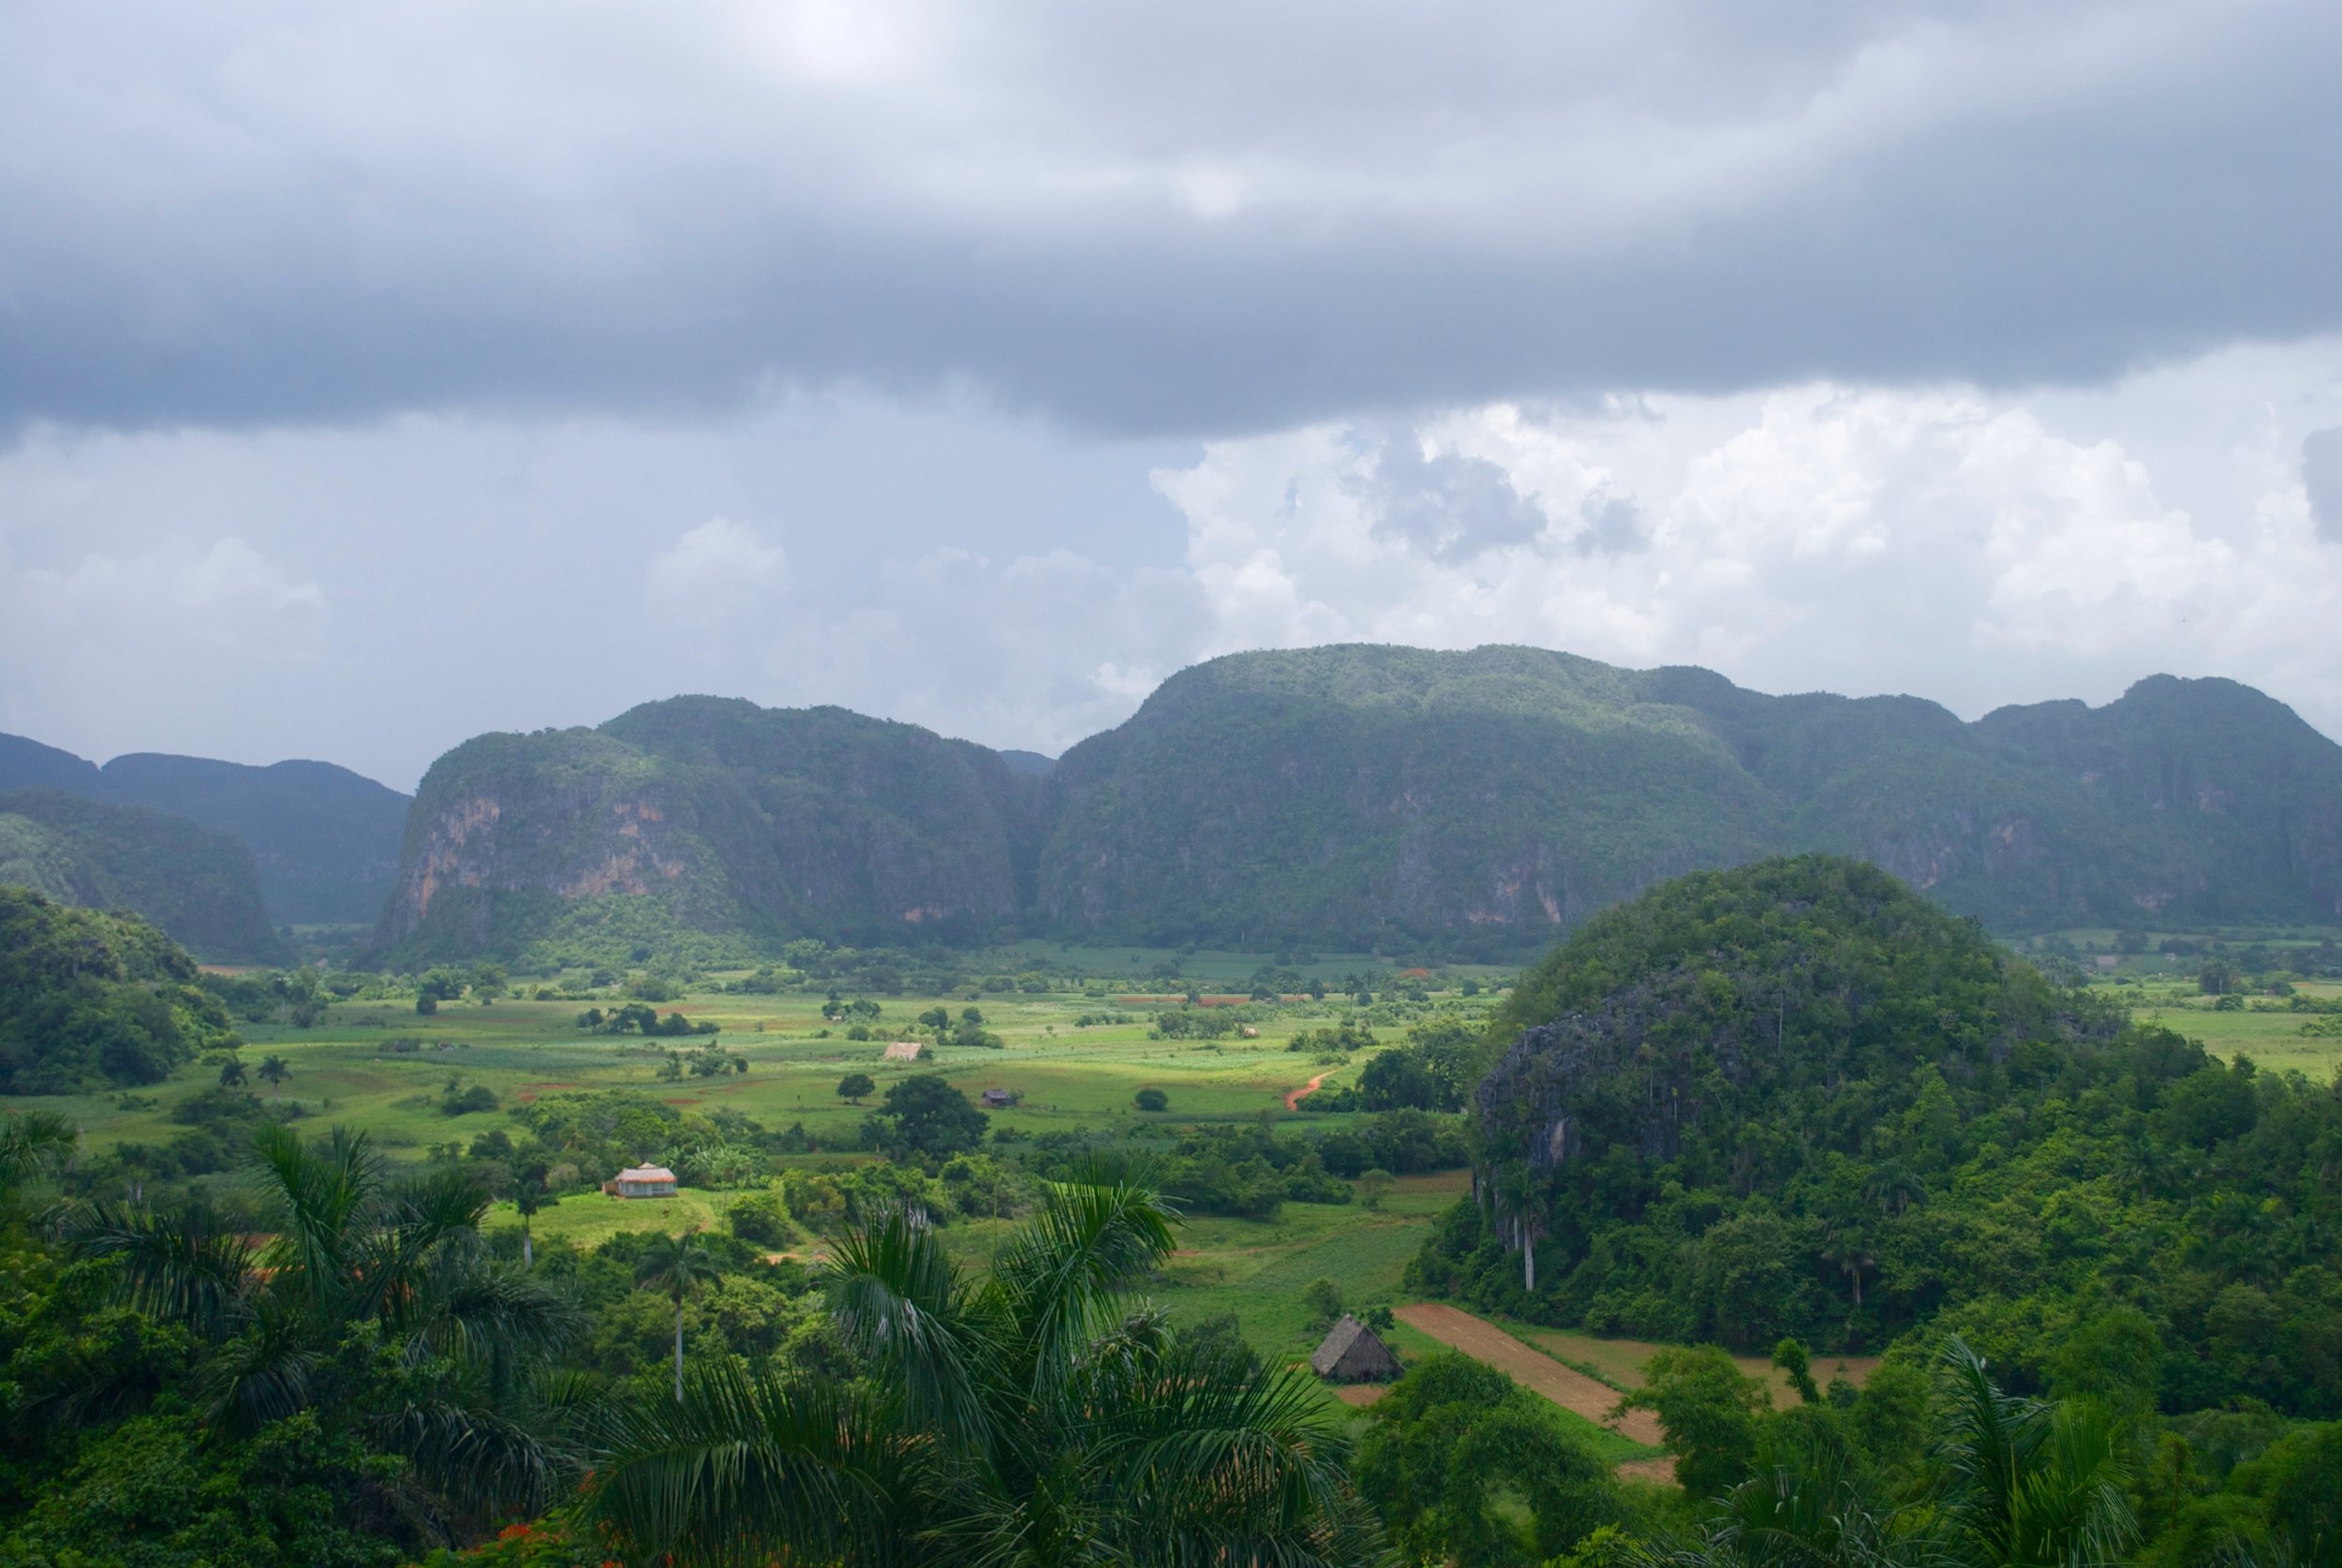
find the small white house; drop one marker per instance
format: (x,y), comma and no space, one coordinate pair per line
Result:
(643,1181)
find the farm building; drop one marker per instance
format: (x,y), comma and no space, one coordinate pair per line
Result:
(1000,1099)
(642,1181)
(1353,1353)
(904,1050)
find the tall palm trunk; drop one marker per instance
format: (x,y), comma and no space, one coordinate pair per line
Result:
(528,1248)
(678,1347)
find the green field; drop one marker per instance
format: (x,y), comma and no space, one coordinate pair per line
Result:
(1069,1076)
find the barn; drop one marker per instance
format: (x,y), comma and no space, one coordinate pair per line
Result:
(1353,1353)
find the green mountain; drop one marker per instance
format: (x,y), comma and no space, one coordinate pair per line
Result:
(1797,1099)
(326,839)
(197,884)
(1364,797)
(1359,796)
(716,817)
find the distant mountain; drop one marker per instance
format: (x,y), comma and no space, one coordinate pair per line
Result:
(198,886)
(1361,796)
(712,816)
(1030,764)
(326,839)
(1366,793)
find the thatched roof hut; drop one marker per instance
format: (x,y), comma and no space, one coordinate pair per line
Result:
(1354,1354)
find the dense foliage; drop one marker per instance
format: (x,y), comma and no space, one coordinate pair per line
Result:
(198,884)
(91,1001)
(1796,1098)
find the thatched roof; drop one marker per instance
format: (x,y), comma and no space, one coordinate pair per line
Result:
(1354,1354)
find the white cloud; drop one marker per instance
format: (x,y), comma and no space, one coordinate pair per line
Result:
(1947,543)
(718,571)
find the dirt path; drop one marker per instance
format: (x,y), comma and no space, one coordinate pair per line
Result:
(1293,1100)
(1539,1373)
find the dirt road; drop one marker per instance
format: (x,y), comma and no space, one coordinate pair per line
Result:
(1293,1100)
(1539,1373)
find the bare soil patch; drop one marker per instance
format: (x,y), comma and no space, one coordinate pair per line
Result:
(1540,1374)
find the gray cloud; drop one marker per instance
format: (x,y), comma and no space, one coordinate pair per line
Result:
(2321,477)
(1193,219)
(1450,506)
(1615,527)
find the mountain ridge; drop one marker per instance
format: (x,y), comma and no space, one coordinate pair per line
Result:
(324,840)
(1367,796)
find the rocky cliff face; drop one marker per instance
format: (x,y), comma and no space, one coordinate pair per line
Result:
(727,818)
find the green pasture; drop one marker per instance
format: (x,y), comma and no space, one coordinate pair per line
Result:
(1068,1076)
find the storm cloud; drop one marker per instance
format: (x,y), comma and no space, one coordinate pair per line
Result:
(1196,219)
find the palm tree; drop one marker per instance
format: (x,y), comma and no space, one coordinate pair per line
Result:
(32,1144)
(531,1193)
(2032,1483)
(274,1072)
(231,1072)
(1030,1416)
(676,1264)
(356,1248)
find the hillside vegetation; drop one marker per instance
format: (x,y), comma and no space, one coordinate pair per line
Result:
(1795,1098)
(197,884)
(1360,798)
(93,1001)
(325,841)
(712,816)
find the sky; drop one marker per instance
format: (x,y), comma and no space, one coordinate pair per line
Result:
(372,376)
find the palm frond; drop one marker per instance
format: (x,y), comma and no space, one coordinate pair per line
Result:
(191,1264)
(755,1469)
(33,1142)
(1206,1461)
(2074,1506)
(1061,1277)
(265,1373)
(900,1301)
(464,1308)
(323,1194)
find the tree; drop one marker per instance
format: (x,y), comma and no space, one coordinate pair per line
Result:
(1151,1099)
(854,1086)
(1373,1186)
(2031,1481)
(1026,1416)
(1467,1467)
(1709,1412)
(231,1072)
(924,1115)
(676,1264)
(274,1072)
(939,1020)
(531,1193)
(359,1256)
(33,1142)
(1323,1297)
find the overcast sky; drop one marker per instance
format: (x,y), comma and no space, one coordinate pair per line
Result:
(374,376)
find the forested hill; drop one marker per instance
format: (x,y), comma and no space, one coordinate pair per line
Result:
(1794,1099)
(197,884)
(1348,795)
(325,840)
(1356,796)
(717,818)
